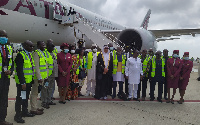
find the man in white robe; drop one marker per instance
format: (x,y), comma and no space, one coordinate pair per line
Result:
(133,73)
(91,70)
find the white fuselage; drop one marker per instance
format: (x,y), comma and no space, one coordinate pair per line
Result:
(32,21)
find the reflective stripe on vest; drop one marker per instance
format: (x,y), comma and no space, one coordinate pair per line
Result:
(90,58)
(10,61)
(55,51)
(153,72)
(115,63)
(10,50)
(42,65)
(49,60)
(27,68)
(145,63)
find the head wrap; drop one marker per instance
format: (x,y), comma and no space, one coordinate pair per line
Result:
(176,51)
(186,53)
(64,45)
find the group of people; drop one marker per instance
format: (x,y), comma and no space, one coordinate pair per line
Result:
(36,72)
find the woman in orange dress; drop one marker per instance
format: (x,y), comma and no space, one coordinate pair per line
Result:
(73,73)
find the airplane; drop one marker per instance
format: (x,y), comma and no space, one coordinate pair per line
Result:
(50,19)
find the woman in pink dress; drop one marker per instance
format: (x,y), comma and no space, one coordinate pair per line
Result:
(185,75)
(174,66)
(64,60)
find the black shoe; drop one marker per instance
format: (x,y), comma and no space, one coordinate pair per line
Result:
(63,102)
(19,120)
(28,115)
(165,98)
(52,98)
(60,102)
(113,97)
(136,99)
(44,105)
(52,103)
(152,99)
(129,99)
(159,100)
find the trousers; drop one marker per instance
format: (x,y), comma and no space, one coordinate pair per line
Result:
(152,89)
(4,88)
(22,102)
(46,91)
(133,93)
(115,86)
(89,88)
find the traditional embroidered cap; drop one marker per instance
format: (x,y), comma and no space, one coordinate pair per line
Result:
(176,51)
(63,45)
(186,53)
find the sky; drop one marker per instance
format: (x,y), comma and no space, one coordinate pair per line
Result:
(165,14)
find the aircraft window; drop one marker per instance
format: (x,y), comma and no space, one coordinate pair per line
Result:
(40,5)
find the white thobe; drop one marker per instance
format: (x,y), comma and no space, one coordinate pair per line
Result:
(133,70)
(106,59)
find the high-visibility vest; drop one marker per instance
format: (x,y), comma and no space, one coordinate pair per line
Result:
(42,65)
(10,61)
(49,60)
(145,62)
(90,58)
(27,68)
(55,51)
(164,58)
(153,72)
(115,62)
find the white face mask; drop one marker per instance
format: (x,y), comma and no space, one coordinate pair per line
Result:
(73,51)
(94,50)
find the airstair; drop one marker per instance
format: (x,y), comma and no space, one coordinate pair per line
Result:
(92,33)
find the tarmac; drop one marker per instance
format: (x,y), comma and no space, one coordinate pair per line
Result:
(89,111)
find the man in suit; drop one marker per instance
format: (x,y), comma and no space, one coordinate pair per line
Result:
(40,76)
(6,69)
(23,76)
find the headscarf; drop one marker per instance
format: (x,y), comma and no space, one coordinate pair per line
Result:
(63,45)
(105,55)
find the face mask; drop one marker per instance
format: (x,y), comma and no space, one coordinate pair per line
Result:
(111,48)
(3,40)
(73,51)
(66,50)
(94,50)
(175,56)
(186,58)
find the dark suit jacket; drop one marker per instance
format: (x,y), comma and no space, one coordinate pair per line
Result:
(6,63)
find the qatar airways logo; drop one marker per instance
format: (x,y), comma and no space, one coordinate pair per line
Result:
(26,3)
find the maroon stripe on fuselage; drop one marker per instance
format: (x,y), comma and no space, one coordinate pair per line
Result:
(46,9)
(2,12)
(3,2)
(30,7)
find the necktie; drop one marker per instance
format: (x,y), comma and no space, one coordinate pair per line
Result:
(4,53)
(31,62)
